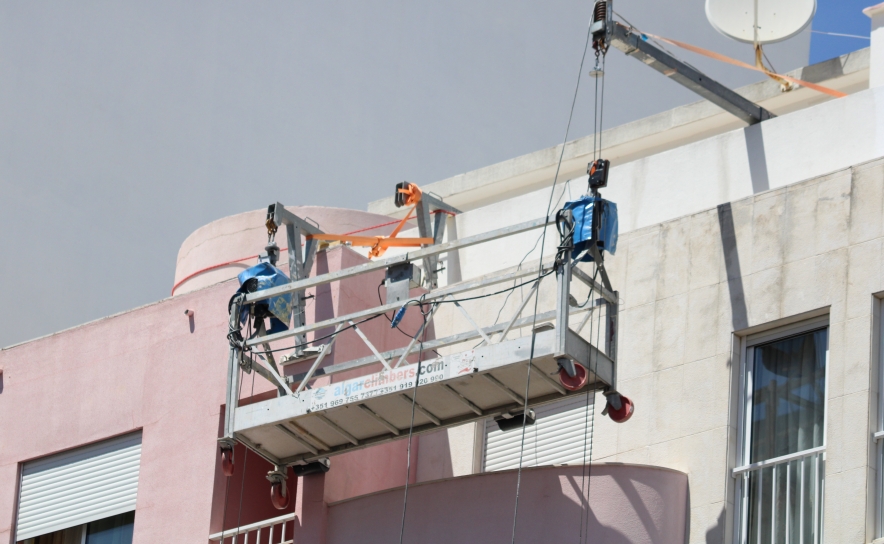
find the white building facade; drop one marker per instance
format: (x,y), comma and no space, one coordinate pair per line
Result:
(750,271)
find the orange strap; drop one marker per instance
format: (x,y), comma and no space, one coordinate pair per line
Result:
(379,244)
(741,64)
(371,241)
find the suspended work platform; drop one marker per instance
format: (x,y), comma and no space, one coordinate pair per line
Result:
(454,389)
(485,374)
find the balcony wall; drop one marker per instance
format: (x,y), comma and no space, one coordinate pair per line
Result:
(628,504)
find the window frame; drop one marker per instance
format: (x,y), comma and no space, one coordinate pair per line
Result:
(747,343)
(878,434)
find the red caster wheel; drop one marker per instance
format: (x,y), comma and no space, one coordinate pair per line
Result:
(575,382)
(278,496)
(621,415)
(227,461)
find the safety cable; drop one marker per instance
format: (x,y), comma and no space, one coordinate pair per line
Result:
(583,475)
(540,276)
(601,110)
(410,302)
(227,485)
(417,380)
(598,332)
(308,342)
(245,460)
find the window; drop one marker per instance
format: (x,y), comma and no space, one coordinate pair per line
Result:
(113,530)
(879,435)
(87,487)
(781,480)
(560,435)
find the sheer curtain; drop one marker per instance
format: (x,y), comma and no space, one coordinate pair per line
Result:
(787,416)
(788,395)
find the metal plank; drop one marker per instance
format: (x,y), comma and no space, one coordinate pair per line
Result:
(371,413)
(428,427)
(308,436)
(337,428)
(462,399)
(506,390)
(421,409)
(297,438)
(437,409)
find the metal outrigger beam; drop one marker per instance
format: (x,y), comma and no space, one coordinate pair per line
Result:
(307,423)
(607,32)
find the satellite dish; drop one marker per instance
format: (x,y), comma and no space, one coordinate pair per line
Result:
(761,21)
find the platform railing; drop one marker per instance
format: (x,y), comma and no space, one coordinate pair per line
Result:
(269,531)
(782,498)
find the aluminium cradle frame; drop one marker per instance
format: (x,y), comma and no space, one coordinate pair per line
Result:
(304,424)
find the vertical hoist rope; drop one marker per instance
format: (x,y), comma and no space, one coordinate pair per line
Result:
(588,462)
(417,380)
(583,476)
(540,275)
(227,485)
(245,459)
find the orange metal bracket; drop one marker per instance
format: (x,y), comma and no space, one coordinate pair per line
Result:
(379,244)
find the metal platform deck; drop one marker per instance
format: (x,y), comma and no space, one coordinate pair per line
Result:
(376,408)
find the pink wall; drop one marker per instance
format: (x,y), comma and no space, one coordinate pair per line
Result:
(154,369)
(628,504)
(242,235)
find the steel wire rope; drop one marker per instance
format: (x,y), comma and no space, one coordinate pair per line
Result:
(407,303)
(583,476)
(599,112)
(540,275)
(589,423)
(227,485)
(525,257)
(245,460)
(589,392)
(397,327)
(417,380)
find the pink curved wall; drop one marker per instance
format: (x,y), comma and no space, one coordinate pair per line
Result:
(157,370)
(628,504)
(243,235)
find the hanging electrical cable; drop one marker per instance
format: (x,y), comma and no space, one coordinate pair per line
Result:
(589,391)
(417,379)
(539,276)
(245,459)
(227,485)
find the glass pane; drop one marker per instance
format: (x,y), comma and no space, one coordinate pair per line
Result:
(788,395)
(114,530)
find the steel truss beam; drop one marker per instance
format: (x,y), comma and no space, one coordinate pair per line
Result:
(634,45)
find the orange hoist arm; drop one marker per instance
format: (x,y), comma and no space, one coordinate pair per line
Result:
(407,194)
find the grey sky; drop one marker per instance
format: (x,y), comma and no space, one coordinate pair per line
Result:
(124,125)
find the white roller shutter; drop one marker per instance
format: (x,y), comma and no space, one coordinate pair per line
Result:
(78,486)
(556,438)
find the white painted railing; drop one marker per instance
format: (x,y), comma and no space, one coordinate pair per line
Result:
(782,498)
(270,531)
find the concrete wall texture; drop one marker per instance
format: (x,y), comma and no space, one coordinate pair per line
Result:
(691,286)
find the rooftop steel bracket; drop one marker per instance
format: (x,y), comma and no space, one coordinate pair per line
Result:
(635,45)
